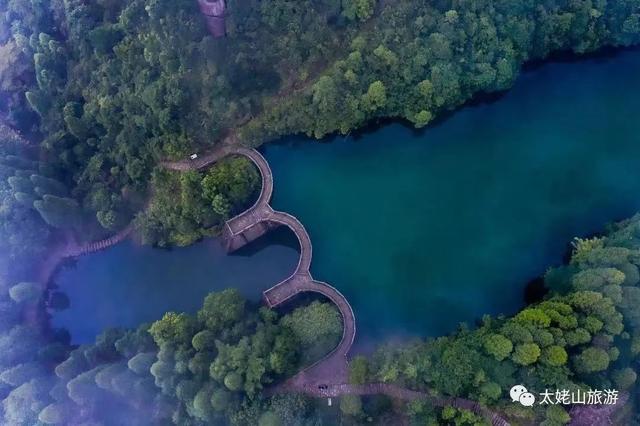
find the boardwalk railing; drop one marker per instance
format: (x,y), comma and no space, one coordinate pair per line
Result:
(327,376)
(236,233)
(70,249)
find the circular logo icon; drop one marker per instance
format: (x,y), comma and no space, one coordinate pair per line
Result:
(516,392)
(527,399)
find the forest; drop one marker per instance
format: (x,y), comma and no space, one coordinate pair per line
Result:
(93,94)
(110,88)
(212,367)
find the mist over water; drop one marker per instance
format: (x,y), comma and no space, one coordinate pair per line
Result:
(420,230)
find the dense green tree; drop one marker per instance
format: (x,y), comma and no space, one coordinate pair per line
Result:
(554,355)
(358,370)
(556,415)
(173,329)
(526,353)
(316,327)
(376,96)
(624,378)
(221,310)
(58,212)
(233,381)
(113,87)
(220,400)
(351,405)
(205,201)
(591,360)
(498,346)
(358,9)
(202,408)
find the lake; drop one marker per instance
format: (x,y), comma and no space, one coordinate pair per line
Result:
(127,284)
(419,230)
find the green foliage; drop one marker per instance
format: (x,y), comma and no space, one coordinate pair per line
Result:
(431,57)
(591,360)
(358,9)
(204,340)
(116,86)
(231,184)
(582,248)
(202,409)
(526,353)
(217,359)
(188,206)
(317,328)
(62,213)
(358,370)
(422,118)
(119,86)
(533,316)
(459,416)
(220,400)
(491,391)
(173,329)
(376,96)
(233,381)
(351,405)
(498,346)
(554,356)
(624,378)
(584,337)
(104,38)
(556,415)
(220,310)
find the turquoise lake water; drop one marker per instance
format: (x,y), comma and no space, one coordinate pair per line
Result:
(129,284)
(420,230)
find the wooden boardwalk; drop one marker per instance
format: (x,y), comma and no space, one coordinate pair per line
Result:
(329,376)
(255,222)
(69,248)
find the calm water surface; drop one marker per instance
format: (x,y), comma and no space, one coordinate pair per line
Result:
(420,231)
(423,231)
(128,284)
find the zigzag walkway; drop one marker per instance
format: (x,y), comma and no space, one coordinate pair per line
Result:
(328,376)
(255,222)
